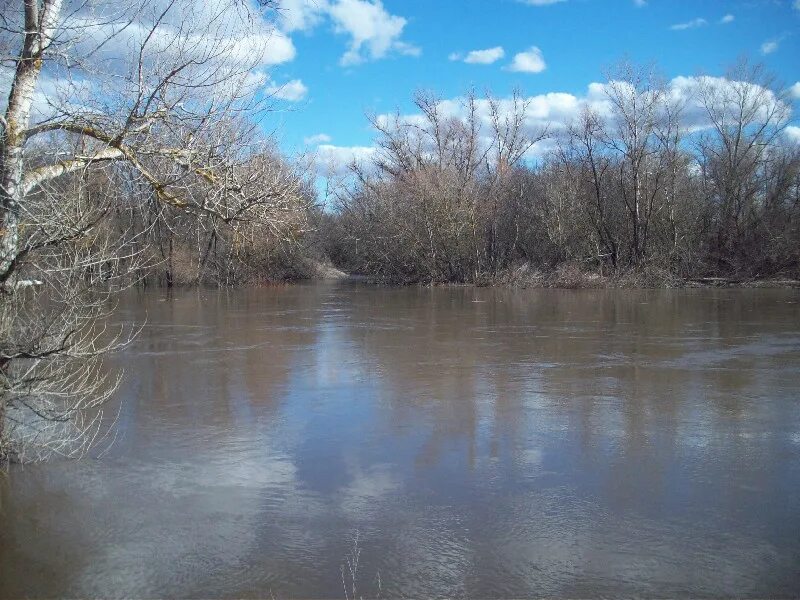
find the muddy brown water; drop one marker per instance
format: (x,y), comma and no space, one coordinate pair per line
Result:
(483,443)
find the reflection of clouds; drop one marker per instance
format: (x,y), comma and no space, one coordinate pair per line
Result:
(209,519)
(564,444)
(557,543)
(367,491)
(335,362)
(429,555)
(532,457)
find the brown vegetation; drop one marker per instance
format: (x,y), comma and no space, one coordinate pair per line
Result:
(645,194)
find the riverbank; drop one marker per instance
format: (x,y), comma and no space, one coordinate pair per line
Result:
(571,276)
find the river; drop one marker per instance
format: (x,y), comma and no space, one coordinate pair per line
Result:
(478,442)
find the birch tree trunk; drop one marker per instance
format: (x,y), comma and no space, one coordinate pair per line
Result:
(40,22)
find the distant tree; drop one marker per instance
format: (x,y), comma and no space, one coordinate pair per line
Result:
(430,205)
(688,178)
(748,116)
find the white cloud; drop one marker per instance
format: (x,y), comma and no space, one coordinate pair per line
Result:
(300,15)
(727,19)
(335,160)
(373,31)
(792,133)
(55,94)
(292,91)
(484,57)
(209,31)
(685,91)
(640,3)
(223,49)
(794,91)
(693,24)
(769,47)
(552,110)
(557,110)
(315,140)
(278,49)
(530,61)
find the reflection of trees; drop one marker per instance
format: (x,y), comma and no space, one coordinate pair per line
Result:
(615,418)
(211,361)
(523,444)
(620,370)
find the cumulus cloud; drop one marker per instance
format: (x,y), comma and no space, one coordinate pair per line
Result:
(693,24)
(373,32)
(769,47)
(481,57)
(794,91)
(335,160)
(792,133)
(557,110)
(530,61)
(553,111)
(209,32)
(727,19)
(640,3)
(315,140)
(55,94)
(292,91)
(221,50)
(685,91)
(300,15)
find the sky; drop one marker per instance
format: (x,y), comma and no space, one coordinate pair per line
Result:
(349,58)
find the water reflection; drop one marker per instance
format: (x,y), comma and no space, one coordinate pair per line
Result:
(483,442)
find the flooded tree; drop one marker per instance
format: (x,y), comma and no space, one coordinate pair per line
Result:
(122,119)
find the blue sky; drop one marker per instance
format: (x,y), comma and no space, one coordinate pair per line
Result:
(407,45)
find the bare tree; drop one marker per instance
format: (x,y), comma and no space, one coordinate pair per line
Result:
(747,117)
(429,207)
(637,98)
(652,181)
(155,95)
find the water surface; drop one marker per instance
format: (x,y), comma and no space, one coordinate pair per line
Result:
(483,443)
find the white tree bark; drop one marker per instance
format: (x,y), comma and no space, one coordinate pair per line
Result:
(40,22)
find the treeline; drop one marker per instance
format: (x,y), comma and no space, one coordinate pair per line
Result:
(647,182)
